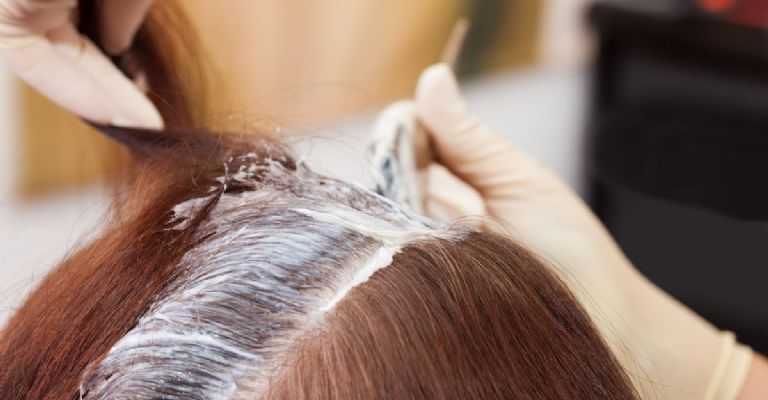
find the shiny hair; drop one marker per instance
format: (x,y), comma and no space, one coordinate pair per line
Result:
(229,270)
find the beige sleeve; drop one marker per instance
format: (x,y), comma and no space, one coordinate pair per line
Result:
(731,370)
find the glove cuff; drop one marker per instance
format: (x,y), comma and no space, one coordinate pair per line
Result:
(731,370)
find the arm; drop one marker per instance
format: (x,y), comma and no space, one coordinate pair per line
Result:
(670,351)
(756,385)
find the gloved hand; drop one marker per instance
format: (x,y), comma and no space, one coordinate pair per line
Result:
(40,44)
(669,351)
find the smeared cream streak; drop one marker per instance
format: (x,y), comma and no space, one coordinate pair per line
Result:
(381,259)
(266,262)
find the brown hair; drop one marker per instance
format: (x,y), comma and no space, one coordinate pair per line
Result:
(482,318)
(472,315)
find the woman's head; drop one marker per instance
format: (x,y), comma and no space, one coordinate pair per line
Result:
(274,248)
(231,271)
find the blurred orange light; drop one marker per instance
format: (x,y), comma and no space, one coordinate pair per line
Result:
(717,5)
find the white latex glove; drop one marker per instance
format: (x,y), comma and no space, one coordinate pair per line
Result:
(669,351)
(40,44)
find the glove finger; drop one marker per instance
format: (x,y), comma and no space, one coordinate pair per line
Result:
(132,107)
(119,20)
(448,198)
(72,72)
(470,150)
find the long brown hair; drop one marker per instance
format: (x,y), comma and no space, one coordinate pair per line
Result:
(472,315)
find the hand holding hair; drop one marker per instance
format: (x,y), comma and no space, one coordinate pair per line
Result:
(40,43)
(671,352)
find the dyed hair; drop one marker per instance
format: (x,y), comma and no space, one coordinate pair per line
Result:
(230,271)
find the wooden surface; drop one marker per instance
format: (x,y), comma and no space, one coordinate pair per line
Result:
(58,151)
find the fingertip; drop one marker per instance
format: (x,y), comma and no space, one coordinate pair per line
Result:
(149,121)
(439,104)
(129,106)
(151,117)
(438,86)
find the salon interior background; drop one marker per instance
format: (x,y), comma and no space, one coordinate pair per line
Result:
(322,69)
(307,68)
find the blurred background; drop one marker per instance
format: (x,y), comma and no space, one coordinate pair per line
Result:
(653,110)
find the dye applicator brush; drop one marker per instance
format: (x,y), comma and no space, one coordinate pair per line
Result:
(451,51)
(401,150)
